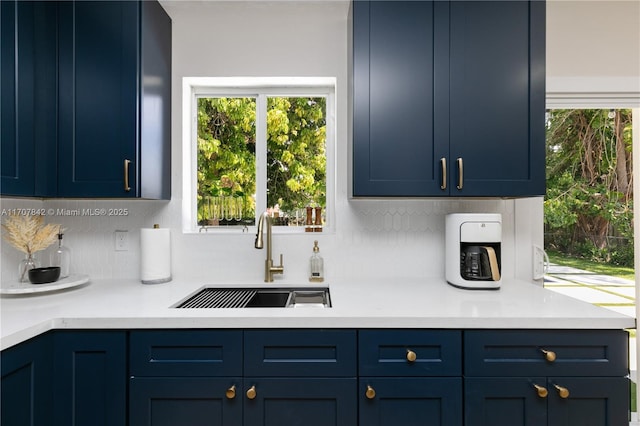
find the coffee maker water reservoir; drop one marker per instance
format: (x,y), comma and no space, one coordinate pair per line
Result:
(473,250)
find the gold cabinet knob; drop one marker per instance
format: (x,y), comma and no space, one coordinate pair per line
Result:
(251,393)
(548,355)
(541,391)
(231,392)
(562,392)
(411,355)
(370,393)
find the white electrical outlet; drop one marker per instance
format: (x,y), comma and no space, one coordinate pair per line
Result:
(122,240)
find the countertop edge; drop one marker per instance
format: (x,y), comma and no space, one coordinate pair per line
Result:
(325,323)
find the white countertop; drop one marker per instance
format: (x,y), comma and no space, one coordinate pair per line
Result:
(400,303)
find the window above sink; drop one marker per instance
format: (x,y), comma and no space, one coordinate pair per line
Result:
(257,144)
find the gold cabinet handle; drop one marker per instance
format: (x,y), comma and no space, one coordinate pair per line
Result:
(443,164)
(411,355)
(541,391)
(370,393)
(548,355)
(127,188)
(251,393)
(231,392)
(460,173)
(562,392)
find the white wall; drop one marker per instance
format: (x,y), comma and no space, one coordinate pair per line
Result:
(593,52)
(373,238)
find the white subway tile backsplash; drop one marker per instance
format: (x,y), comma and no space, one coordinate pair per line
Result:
(372,238)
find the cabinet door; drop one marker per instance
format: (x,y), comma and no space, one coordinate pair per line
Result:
(501,401)
(410,401)
(301,401)
(497,98)
(400,97)
(90,378)
(25,394)
(98,101)
(193,401)
(593,401)
(17,100)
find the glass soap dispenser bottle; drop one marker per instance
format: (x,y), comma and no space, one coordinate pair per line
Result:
(316,265)
(61,257)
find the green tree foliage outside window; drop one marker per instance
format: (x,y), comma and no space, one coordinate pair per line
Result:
(589,196)
(296,158)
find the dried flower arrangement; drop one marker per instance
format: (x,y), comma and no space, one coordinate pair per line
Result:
(29,234)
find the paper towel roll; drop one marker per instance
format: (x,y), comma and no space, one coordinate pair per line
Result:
(155,256)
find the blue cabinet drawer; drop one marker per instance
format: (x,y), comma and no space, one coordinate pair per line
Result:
(186,353)
(546,353)
(295,353)
(410,353)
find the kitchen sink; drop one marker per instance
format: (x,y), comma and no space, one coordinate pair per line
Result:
(217,297)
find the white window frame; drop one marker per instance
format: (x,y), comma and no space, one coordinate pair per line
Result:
(259,88)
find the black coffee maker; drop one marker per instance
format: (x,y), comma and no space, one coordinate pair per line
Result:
(479,263)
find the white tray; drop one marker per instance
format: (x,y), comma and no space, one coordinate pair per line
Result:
(27,288)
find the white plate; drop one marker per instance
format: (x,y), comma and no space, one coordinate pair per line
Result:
(26,288)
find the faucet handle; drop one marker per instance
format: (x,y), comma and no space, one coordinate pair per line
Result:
(281,263)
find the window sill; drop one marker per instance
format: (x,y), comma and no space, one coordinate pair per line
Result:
(236,230)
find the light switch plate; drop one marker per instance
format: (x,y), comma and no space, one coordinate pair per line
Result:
(122,240)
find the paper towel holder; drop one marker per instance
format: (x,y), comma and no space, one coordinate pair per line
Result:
(155,264)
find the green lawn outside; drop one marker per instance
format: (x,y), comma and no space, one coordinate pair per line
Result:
(598,268)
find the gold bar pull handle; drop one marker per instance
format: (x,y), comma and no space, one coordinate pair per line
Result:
(460,174)
(127,188)
(443,163)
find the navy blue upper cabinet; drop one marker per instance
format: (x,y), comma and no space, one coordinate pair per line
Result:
(28,94)
(497,98)
(17,176)
(448,98)
(400,80)
(114,99)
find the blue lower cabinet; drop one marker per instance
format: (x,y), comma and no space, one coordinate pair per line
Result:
(386,401)
(300,401)
(90,378)
(586,401)
(192,401)
(561,401)
(27,377)
(498,401)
